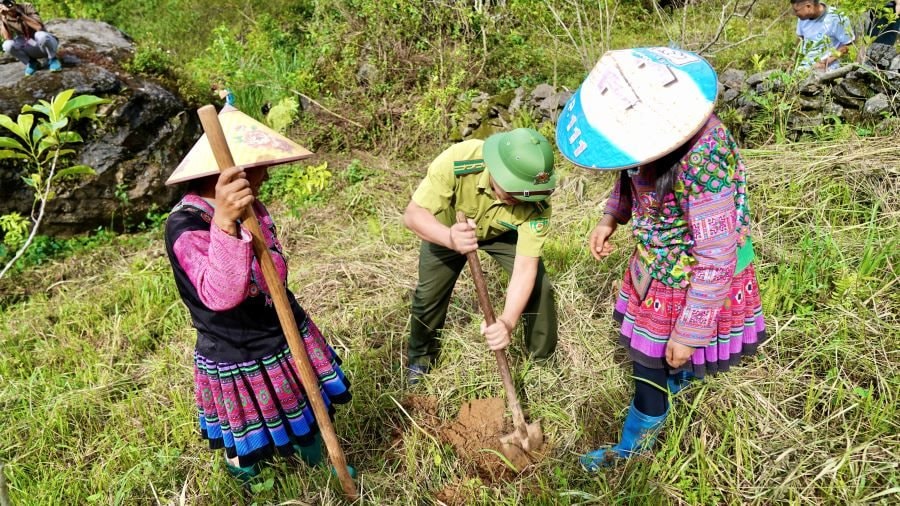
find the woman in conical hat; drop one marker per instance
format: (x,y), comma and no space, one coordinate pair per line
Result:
(249,397)
(689,303)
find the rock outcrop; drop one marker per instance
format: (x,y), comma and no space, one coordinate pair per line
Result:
(143,134)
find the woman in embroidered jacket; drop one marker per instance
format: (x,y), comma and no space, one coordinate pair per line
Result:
(248,393)
(701,311)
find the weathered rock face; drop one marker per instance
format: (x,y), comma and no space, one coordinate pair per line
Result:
(849,95)
(145,131)
(488,114)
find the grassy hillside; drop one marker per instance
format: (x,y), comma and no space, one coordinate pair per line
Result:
(96,399)
(404,70)
(95,363)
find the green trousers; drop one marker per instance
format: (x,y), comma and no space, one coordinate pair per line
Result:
(439,267)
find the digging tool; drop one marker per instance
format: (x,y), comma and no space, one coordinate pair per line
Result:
(210,121)
(525,437)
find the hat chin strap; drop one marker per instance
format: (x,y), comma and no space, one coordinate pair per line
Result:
(528,193)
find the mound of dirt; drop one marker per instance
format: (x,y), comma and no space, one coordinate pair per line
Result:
(454,494)
(475,436)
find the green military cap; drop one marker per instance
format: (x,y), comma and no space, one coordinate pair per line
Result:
(521,162)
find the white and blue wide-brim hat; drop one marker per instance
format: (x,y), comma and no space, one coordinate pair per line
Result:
(636,106)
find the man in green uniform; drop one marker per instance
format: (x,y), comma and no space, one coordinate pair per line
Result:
(502,185)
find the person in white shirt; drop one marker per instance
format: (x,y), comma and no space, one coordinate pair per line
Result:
(825,35)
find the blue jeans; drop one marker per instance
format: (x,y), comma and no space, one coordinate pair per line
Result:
(43,45)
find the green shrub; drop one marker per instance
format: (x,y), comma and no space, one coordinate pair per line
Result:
(151,58)
(297,187)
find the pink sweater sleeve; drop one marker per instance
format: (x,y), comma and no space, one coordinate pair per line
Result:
(217,264)
(712,217)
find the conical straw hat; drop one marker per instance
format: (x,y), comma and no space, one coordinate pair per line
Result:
(252,144)
(636,106)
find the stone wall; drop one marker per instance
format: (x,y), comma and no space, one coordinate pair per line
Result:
(853,94)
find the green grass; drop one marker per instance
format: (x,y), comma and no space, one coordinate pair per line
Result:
(397,67)
(96,400)
(95,364)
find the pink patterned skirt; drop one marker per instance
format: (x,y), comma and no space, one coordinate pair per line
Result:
(258,408)
(646,325)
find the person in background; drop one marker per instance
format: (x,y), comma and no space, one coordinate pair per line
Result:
(882,27)
(825,35)
(224,94)
(25,38)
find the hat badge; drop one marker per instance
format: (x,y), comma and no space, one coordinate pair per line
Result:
(541,177)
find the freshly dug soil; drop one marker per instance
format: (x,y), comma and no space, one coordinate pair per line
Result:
(475,436)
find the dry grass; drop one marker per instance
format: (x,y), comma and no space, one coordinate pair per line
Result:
(95,375)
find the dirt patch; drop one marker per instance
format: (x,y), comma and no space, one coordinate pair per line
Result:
(454,494)
(475,436)
(424,408)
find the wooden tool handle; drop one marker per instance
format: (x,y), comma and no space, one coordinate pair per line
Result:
(210,121)
(502,363)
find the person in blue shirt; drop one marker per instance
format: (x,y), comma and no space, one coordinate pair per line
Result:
(825,35)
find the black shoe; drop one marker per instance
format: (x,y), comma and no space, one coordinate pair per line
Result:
(415,372)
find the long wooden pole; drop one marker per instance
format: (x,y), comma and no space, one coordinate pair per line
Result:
(210,121)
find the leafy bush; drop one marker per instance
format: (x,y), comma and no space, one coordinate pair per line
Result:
(298,187)
(282,114)
(42,147)
(397,68)
(356,172)
(15,230)
(151,58)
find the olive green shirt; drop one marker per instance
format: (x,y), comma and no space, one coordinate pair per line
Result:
(459,180)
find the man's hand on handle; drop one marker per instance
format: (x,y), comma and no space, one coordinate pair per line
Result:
(462,237)
(497,335)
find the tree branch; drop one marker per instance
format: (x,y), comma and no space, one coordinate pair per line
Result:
(37,221)
(336,115)
(723,22)
(836,73)
(748,38)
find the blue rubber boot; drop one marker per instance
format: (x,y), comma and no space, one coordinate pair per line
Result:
(638,434)
(54,65)
(31,68)
(312,455)
(680,381)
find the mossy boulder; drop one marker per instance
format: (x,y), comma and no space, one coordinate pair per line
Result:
(143,134)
